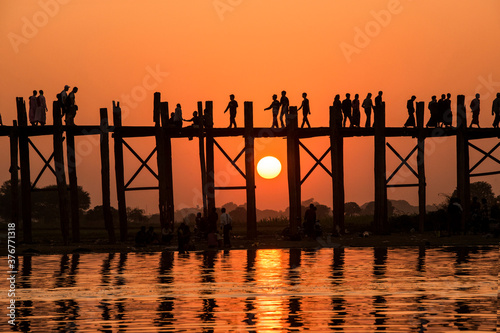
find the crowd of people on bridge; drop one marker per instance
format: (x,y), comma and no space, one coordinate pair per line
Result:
(441,114)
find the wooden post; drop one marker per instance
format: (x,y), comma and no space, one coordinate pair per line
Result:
(24,156)
(14,176)
(293,167)
(164,158)
(160,159)
(380,218)
(421,166)
(203,168)
(463,177)
(73,184)
(105,176)
(62,188)
(119,171)
(337,156)
(210,156)
(250,172)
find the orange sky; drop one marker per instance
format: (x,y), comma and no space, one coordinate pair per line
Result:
(206,50)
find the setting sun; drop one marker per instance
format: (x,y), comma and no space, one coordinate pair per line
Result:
(269,167)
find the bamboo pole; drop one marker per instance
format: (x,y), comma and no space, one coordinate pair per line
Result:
(293,167)
(380,216)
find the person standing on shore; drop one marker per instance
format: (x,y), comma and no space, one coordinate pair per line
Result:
(231,106)
(226,226)
(368,106)
(495,111)
(275,106)
(475,109)
(305,111)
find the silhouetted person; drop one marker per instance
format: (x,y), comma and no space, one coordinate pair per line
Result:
(151,236)
(475,211)
(475,109)
(441,108)
(448,115)
(178,116)
(284,107)
(195,120)
(432,106)
(346,109)
(356,114)
(410,122)
(305,111)
(171,119)
(226,226)
(183,236)
(495,110)
(454,216)
(200,225)
(368,106)
(41,108)
(71,107)
(231,106)
(32,110)
(310,220)
(337,106)
(275,106)
(378,101)
(485,216)
(141,238)
(61,97)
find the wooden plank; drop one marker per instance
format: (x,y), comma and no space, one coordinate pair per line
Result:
(337,157)
(119,172)
(463,179)
(14,177)
(293,168)
(73,185)
(421,167)
(250,172)
(380,216)
(62,189)
(24,156)
(105,175)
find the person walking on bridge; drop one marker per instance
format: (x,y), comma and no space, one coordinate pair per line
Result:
(231,106)
(275,106)
(475,109)
(496,111)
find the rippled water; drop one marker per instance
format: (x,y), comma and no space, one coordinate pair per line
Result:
(349,290)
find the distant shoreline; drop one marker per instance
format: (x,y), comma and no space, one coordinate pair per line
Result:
(270,242)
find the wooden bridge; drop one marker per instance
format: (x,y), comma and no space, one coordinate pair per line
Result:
(20,143)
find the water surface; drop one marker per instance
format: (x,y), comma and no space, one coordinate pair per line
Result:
(348,290)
